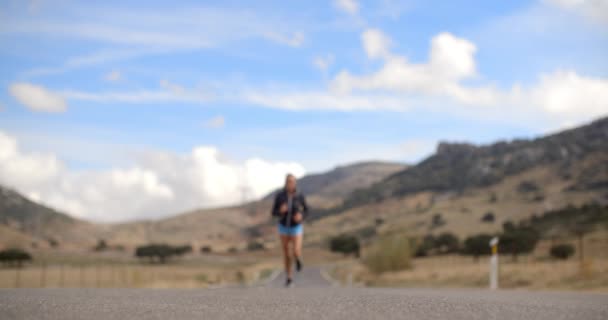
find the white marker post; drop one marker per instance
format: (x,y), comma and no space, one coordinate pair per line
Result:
(494,264)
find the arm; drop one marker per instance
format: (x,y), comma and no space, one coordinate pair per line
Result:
(304,207)
(276,207)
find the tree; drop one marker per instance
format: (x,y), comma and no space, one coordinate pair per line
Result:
(426,246)
(447,243)
(161,252)
(562,251)
(518,240)
(14,257)
(477,245)
(488,217)
(345,244)
(437,221)
(206,249)
(101,245)
(181,250)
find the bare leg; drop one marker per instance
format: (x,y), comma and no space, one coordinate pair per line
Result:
(297,246)
(285,239)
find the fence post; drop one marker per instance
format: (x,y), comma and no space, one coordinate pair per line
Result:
(97,275)
(81,276)
(43,275)
(18,277)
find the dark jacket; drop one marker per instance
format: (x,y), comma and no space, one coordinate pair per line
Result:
(298,205)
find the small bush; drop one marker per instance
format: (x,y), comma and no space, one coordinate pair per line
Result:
(562,251)
(477,245)
(437,221)
(255,246)
(426,246)
(527,186)
(345,244)
(102,245)
(206,249)
(14,257)
(390,253)
(447,243)
(493,198)
(488,217)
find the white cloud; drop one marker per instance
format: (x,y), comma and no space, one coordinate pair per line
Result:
(450,60)
(376,44)
(92,59)
(113,76)
(320,100)
(348,6)
(569,96)
(323,62)
(168,28)
(158,184)
(216,122)
(37,98)
(594,9)
(439,85)
(294,40)
(169,92)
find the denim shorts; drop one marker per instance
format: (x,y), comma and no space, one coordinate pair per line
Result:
(291,231)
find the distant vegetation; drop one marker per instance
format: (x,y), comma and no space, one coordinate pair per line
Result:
(445,243)
(460,166)
(255,246)
(389,253)
(14,257)
(488,217)
(562,251)
(161,252)
(346,244)
(519,239)
(477,245)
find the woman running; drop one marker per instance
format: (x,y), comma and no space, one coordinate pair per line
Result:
(291,207)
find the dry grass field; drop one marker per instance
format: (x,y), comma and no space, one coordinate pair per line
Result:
(534,272)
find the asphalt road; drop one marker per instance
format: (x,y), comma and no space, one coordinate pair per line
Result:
(311,298)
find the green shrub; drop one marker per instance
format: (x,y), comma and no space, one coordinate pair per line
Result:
(255,246)
(477,245)
(488,217)
(14,257)
(390,253)
(345,244)
(447,243)
(562,251)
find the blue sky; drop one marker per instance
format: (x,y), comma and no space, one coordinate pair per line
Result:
(120,94)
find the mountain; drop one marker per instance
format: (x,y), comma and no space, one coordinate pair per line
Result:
(461,185)
(458,166)
(222,228)
(21,218)
(343,180)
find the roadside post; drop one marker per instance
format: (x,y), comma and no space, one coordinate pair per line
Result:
(494,264)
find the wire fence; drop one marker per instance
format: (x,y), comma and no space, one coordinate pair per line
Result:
(105,276)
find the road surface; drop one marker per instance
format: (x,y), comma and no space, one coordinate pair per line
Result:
(311,298)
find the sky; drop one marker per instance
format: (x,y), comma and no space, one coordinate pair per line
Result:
(120,110)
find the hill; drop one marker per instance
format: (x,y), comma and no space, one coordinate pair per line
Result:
(343,180)
(26,222)
(222,228)
(455,188)
(458,166)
